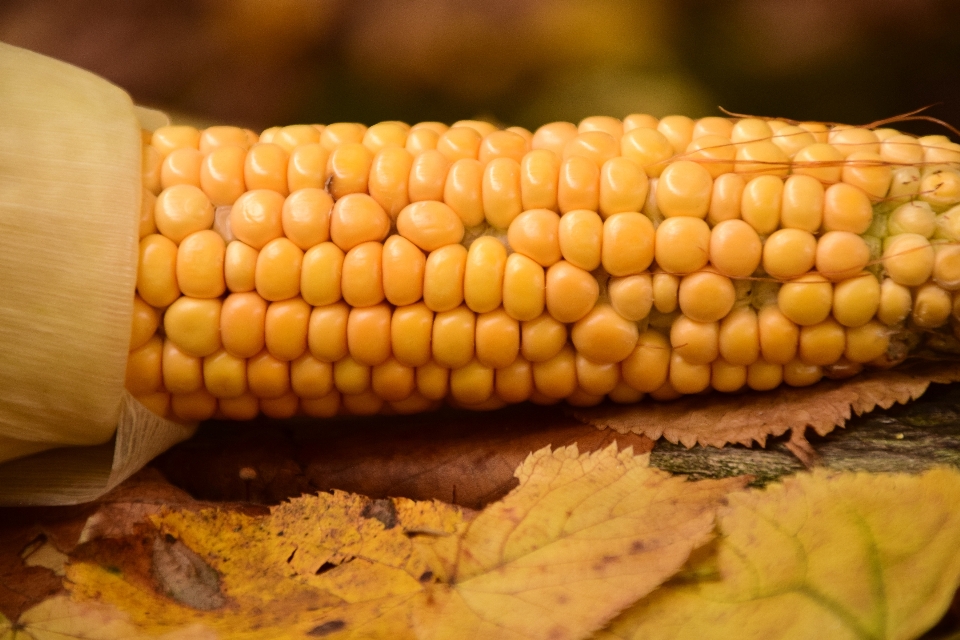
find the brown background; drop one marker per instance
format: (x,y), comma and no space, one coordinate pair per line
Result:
(265,62)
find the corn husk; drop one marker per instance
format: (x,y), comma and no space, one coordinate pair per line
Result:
(69,203)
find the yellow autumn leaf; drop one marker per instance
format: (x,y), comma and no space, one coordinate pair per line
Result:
(821,555)
(581,538)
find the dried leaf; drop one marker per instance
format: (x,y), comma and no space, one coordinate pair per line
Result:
(716,420)
(820,556)
(582,537)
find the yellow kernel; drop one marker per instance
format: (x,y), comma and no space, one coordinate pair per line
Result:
(867,342)
(327,332)
(678,130)
(764,376)
(686,377)
(350,376)
(225,375)
(789,253)
(193,324)
(320,274)
(403,266)
(748,130)
(501,192)
(841,255)
(143,324)
(326,406)
(497,339)
(443,277)
(243,324)
(806,300)
(706,296)
(464,189)
(502,144)
(571,292)
(802,203)
(358,218)
(366,403)
(939,150)
(181,210)
(514,383)
(256,217)
(294,135)
(148,203)
(182,372)
(265,167)
(820,161)
(361,283)
(867,171)
(739,337)
(856,299)
(311,378)
(158,402)
(556,378)
(171,137)
(524,285)
(851,140)
(603,335)
(422,140)
(792,139)
(846,208)
(307,167)
(946,266)
(822,343)
(411,331)
(285,327)
(696,342)
(454,335)
(150,162)
(221,175)
(472,383)
(716,154)
(645,368)
(341,133)
(278,270)
(901,149)
(542,338)
(630,296)
(305,217)
(200,265)
(682,245)
(433,381)
(762,158)
(726,377)
(348,170)
(606,124)
(735,248)
(157,271)
(368,334)
(931,306)
(623,187)
(578,185)
(649,148)
(430,225)
(428,177)
(684,189)
(799,374)
(896,302)
(144,372)
(761,204)
(625,394)
(940,188)
(534,234)
(213,138)
(666,289)
(457,143)
(597,146)
(725,198)
(392,380)
(539,175)
(386,134)
(908,259)
(195,407)
(580,234)
(482,127)
(389,179)
(779,335)
(912,217)
(712,126)
(596,378)
(483,274)
(554,136)
(182,166)
(414,404)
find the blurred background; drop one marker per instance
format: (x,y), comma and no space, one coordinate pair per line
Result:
(259,63)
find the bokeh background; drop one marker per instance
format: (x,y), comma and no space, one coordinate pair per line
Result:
(519,62)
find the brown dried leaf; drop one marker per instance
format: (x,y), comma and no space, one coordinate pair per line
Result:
(716,420)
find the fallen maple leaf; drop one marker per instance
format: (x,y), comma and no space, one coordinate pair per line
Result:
(582,537)
(820,555)
(718,419)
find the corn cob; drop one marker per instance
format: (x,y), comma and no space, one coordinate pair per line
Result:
(345,269)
